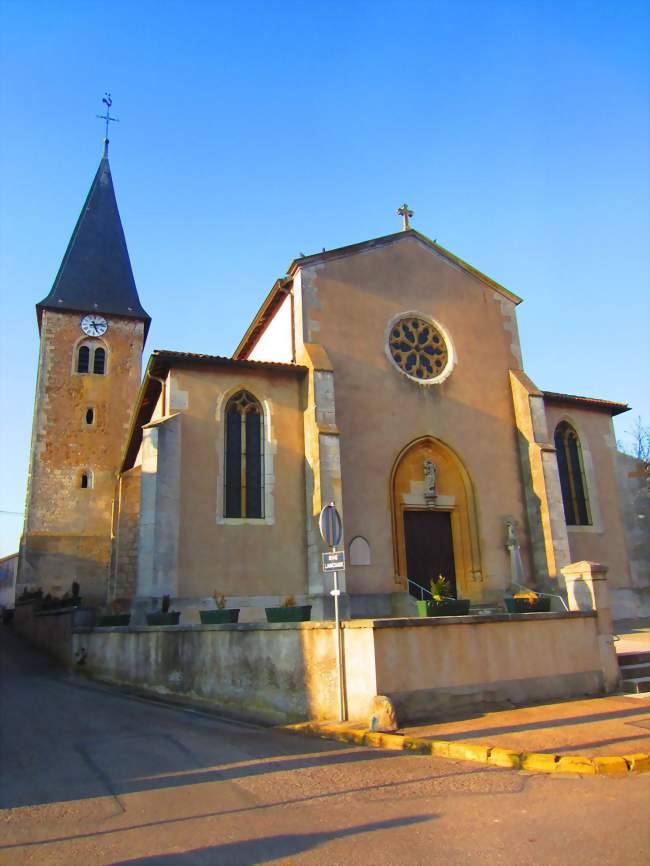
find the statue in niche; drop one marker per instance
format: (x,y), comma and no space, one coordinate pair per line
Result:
(511,535)
(430,480)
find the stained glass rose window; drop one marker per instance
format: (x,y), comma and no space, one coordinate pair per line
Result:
(418,348)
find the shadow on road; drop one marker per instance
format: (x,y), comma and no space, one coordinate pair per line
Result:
(61,741)
(252,852)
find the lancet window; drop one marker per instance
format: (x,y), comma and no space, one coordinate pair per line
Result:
(572,476)
(244,477)
(91,358)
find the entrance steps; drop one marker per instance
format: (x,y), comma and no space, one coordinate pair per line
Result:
(635,672)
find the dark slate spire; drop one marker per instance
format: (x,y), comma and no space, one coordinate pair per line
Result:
(95,274)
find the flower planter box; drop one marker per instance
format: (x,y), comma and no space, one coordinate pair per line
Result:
(297,613)
(113,619)
(522,605)
(218,617)
(160,618)
(455,607)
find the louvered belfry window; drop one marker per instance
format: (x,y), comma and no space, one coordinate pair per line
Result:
(91,358)
(83,359)
(572,476)
(99,361)
(244,493)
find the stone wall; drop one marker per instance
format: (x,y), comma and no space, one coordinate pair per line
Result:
(287,672)
(634,485)
(72,540)
(459,665)
(51,630)
(125,543)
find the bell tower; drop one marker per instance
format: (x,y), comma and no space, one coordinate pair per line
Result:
(92,333)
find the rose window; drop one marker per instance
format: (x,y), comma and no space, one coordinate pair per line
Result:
(418,348)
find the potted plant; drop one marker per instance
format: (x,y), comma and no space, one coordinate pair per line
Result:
(29,595)
(221,613)
(118,615)
(440,603)
(164,616)
(527,602)
(289,612)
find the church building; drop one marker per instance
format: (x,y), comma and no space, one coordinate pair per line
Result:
(385,376)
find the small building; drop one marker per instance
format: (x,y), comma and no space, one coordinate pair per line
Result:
(8,570)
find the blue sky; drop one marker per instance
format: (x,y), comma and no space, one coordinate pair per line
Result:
(517,131)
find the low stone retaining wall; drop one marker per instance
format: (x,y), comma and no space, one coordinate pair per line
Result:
(286,672)
(51,630)
(431,668)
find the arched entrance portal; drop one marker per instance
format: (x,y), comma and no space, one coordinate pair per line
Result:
(435,528)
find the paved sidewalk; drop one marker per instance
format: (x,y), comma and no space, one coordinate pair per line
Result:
(633,635)
(612,725)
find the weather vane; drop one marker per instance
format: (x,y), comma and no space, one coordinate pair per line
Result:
(405,213)
(107,117)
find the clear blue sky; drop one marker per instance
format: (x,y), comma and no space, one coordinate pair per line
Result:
(517,131)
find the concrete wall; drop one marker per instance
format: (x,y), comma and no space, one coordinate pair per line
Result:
(288,672)
(72,540)
(634,486)
(430,671)
(51,630)
(604,540)
(345,304)
(276,344)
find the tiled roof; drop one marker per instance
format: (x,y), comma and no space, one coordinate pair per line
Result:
(586,402)
(95,274)
(160,363)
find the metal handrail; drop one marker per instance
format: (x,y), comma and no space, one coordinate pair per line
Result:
(539,592)
(430,594)
(421,588)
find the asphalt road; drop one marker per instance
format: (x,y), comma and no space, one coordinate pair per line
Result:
(92,777)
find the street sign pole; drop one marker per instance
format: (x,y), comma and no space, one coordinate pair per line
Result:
(331,530)
(336,592)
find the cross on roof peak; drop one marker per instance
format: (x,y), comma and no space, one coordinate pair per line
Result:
(106,99)
(405,213)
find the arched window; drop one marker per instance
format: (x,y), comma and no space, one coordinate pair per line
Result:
(83,359)
(244,492)
(86,480)
(572,476)
(91,358)
(99,361)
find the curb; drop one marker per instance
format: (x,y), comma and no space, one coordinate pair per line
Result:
(493,756)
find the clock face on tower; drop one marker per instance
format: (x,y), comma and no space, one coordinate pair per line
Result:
(94,325)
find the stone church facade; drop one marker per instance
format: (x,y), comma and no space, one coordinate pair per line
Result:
(385,377)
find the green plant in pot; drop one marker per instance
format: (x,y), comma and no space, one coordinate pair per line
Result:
(117,614)
(289,612)
(221,614)
(164,616)
(527,601)
(441,602)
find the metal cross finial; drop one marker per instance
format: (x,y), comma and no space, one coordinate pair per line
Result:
(107,117)
(405,213)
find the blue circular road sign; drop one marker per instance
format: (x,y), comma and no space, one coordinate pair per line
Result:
(330,525)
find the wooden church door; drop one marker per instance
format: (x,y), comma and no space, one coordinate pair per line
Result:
(429,549)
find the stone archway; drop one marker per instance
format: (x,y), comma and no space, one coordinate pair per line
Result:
(428,478)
